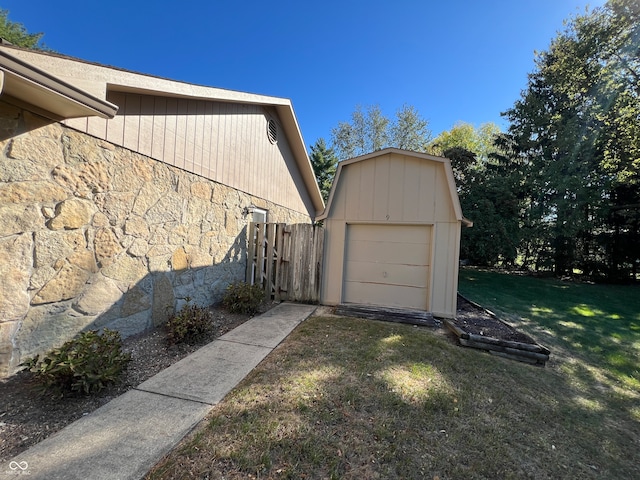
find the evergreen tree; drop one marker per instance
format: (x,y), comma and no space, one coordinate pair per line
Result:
(17,34)
(575,135)
(324,161)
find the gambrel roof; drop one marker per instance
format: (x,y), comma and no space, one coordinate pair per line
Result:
(445,162)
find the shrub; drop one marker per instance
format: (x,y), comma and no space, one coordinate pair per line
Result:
(83,365)
(243,298)
(190,325)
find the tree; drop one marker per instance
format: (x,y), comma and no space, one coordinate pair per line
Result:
(468,148)
(324,161)
(17,34)
(370,130)
(575,135)
(410,131)
(486,190)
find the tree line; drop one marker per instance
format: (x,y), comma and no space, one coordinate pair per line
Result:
(559,190)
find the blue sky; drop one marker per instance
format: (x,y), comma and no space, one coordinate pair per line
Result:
(454,60)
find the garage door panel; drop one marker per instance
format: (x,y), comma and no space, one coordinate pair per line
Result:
(389,252)
(388,295)
(389,233)
(409,275)
(387,265)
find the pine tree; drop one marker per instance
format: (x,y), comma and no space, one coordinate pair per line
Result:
(324,162)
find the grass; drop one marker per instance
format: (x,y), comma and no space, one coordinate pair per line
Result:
(360,399)
(600,324)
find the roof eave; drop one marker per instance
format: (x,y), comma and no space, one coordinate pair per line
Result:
(290,124)
(30,85)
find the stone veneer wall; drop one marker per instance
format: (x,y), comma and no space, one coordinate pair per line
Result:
(93,235)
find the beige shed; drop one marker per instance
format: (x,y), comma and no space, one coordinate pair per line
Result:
(392,226)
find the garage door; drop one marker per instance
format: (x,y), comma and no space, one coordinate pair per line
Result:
(387,265)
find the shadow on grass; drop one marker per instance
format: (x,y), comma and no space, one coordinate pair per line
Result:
(598,323)
(347,398)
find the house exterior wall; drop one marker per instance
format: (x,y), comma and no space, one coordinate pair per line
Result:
(96,235)
(224,142)
(395,189)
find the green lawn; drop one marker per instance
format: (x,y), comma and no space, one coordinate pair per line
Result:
(361,399)
(598,323)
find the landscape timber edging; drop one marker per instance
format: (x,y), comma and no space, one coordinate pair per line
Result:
(531,353)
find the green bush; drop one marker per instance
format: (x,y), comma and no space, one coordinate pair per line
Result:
(241,297)
(83,365)
(190,325)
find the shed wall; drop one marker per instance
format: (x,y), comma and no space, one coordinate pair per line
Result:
(395,189)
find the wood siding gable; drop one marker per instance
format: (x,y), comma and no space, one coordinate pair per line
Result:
(392,188)
(222,141)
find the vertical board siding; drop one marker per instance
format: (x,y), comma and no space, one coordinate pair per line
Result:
(115,126)
(131,133)
(159,125)
(147,108)
(393,191)
(224,142)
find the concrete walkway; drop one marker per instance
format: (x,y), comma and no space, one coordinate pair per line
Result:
(126,437)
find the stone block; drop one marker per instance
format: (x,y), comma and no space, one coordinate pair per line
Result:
(81,150)
(115,205)
(47,327)
(15,268)
(202,190)
(72,214)
(106,246)
(163,299)
(179,260)
(168,208)
(127,270)
(135,301)
(131,325)
(66,284)
(37,150)
(99,295)
(148,196)
(32,192)
(51,246)
(138,248)
(19,218)
(136,226)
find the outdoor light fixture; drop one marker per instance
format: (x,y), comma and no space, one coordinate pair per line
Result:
(247,210)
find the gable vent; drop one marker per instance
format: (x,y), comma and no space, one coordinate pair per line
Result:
(272,131)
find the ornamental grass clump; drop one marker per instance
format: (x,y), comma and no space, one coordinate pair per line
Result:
(82,366)
(243,298)
(191,325)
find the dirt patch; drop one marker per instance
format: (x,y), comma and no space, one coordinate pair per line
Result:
(474,319)
(28,417)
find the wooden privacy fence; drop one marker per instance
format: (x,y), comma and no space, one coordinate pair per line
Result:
(286,260)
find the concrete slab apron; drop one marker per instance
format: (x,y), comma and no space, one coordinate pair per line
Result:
(126,437)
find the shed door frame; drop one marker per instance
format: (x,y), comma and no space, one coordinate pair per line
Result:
(430,254)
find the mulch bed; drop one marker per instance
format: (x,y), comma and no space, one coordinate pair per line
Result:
(479,328)
(472,318)
(27,416)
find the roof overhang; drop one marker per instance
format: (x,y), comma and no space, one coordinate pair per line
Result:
(26,84)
